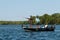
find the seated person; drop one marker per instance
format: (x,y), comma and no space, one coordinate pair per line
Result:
(46,26)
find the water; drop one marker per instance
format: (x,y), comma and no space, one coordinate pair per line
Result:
(15,32)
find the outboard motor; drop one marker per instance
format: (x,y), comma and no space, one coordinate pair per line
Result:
(22,25)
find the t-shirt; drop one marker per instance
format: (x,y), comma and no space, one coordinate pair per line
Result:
(46,25)
(37,20)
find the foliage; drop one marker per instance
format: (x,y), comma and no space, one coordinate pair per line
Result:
(44,19)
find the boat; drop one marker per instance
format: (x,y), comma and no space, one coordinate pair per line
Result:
(30,28)
(52,28)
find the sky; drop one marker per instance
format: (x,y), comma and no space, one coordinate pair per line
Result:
(18,10)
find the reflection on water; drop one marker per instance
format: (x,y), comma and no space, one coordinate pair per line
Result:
(15,32)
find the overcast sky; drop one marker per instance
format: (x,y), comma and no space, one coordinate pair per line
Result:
(15,10)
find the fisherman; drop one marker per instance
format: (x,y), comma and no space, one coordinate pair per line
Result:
(37,20)
(30,20)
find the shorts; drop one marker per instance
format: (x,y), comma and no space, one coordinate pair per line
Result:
(38,24)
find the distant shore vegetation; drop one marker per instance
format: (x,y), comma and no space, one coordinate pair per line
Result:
(44,19)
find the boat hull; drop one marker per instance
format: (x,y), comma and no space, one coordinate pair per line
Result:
(40,29)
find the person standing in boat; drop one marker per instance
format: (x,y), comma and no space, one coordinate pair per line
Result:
(37,20)
(30,20)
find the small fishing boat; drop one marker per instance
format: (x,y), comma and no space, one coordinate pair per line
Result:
(30,28)
(40,29)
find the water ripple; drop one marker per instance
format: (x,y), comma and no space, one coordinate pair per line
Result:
(17,33)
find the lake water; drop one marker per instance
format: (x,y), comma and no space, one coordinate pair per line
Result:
(15,32)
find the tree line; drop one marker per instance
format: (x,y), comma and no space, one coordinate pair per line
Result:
(44,19)
(47,19)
